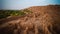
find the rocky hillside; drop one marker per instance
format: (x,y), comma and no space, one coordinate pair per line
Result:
(38,20)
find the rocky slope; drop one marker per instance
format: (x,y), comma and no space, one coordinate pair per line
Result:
(42,20)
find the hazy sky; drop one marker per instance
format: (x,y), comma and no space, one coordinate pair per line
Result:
(19,4)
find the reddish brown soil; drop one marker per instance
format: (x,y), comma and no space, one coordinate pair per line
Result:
(42,20)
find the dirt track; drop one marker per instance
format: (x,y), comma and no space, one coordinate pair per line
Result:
(43,20)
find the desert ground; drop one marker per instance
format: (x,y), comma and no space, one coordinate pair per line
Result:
(41,20)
